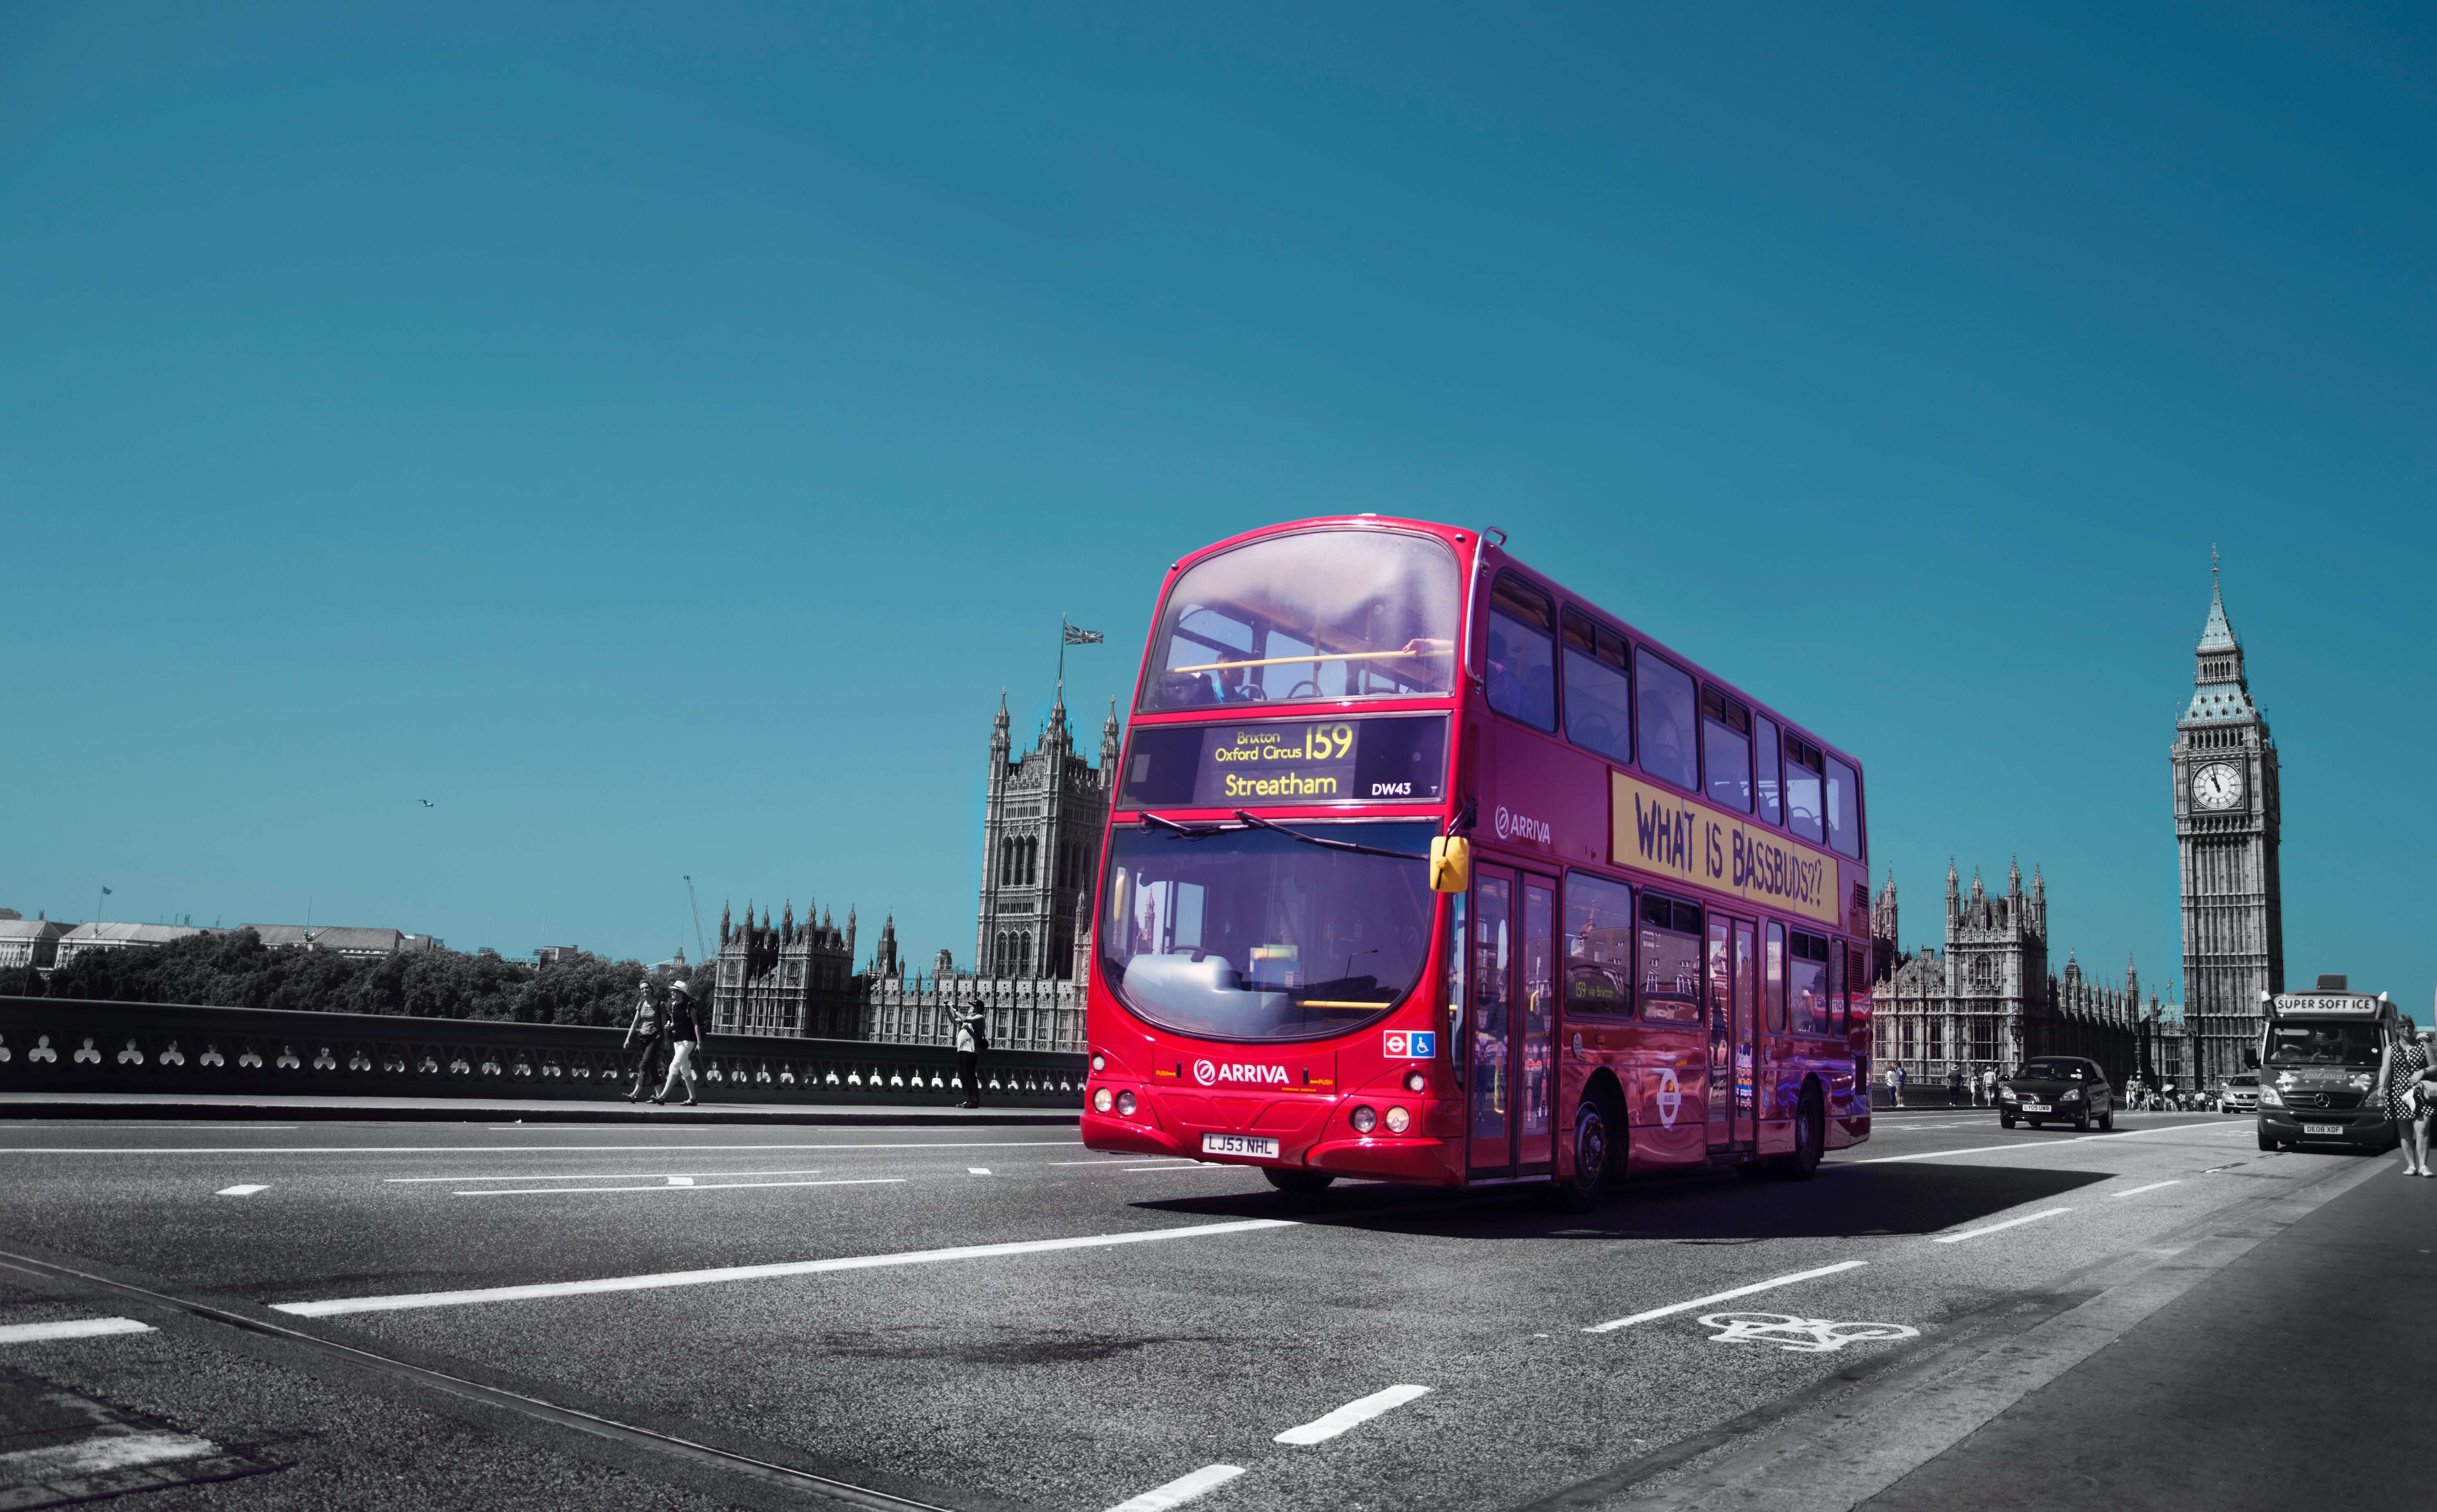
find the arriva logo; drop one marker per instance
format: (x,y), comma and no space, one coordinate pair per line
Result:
(1211,1074)
(1521,827)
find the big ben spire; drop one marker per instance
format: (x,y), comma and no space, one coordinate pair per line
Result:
(2227,831)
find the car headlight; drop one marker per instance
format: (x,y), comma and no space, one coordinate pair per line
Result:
(2362,1081)
(2271,1098)
(2071,1095)
(2010,1095)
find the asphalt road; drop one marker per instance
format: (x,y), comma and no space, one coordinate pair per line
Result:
(676,1329)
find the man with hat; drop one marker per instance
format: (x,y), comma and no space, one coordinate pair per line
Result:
(685,1035)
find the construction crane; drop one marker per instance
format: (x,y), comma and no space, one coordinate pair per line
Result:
(702,948)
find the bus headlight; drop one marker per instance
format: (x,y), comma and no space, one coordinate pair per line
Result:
(1399,1120)
(1101,1100)
(1099,1061)
(1365,1120)
(1415,1081)
(1125,1105)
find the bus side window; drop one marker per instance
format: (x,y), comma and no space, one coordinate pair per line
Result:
(1726,751)
(1776,979)
(1844,810)
(1522,661)
(1669,741)
(1832,1012)
(1670,960)
(1764,769)
(1803,762)
(1598,945)
(1599,690)
(1807,984)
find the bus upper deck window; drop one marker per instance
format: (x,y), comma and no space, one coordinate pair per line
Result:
(1599,689)
(1726,751)
(1804,761)
(1314,614)
(1522,660)
(1844,810)
(1765,773)
(1668,739)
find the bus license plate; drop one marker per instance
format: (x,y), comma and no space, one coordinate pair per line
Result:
(2037,1107)
(1239,1145)
(2322,1129)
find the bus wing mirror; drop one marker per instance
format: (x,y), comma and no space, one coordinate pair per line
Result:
(1451,864)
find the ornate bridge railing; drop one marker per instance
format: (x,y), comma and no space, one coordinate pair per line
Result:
(64,1044)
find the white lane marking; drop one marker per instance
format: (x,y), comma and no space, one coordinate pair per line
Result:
(976,1170)
(1724,1297)
(496,1149)
(675,1184)
(1180,1490)
(2019,1146)
(1992,1228)
(100,1453)
(242,1191)
(603,1175)
(1181,1165)
(2152,1187)
(334,1306)
(1360,1409)
(71,1328)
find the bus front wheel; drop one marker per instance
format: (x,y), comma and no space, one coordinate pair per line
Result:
(1300,1183)
(1596,1129)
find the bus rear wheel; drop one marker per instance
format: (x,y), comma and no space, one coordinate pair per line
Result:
(1809,1136)
(1300,1183)
(1597,1133)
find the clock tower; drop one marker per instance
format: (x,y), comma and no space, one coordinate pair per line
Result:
(2226,832)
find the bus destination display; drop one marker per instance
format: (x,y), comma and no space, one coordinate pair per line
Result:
(1276,763)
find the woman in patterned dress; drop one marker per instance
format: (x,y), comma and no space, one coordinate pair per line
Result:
(2406,1099)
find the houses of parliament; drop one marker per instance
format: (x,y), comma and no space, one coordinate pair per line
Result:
(1988,998)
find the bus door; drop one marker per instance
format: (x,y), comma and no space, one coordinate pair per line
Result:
(1513,1024)
(1734,1034)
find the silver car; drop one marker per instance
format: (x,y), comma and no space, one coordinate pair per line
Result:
(2240,1094)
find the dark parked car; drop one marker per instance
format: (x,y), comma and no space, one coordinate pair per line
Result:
(2057,1087)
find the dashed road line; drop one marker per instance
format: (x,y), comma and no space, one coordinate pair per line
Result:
(2152,1187)
(977,1170)
(1180,1490)
(70,1329)
(1361,1410)
(1769,1285)
(498,1150)
(606,1175)
(673,1183)
(1992,1228)
(335,1306)
(247,1191)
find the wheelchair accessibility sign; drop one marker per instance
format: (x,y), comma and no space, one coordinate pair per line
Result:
(1410,1045)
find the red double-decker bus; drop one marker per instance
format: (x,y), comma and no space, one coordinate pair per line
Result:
(1423,869)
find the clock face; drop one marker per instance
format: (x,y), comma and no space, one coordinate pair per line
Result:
(2216,786)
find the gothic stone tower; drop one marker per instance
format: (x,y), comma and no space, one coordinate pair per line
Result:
(1997,955)
(1041,818)
(2226,829)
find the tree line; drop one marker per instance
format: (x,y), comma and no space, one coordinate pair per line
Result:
(238,970)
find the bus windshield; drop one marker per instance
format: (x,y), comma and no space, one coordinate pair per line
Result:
(1254,934)
(1316,614)
(2291,1045)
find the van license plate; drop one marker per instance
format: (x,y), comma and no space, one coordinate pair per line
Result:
(1239,1145)
(2324,1129)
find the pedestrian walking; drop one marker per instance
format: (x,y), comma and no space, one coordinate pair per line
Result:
(1988,1086)
(2401,1065)
(1903,1080)
(1895,1086)
(685,1041)
(649,1028)
(971,1043)
(1955,1086)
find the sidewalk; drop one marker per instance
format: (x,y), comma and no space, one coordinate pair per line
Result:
(237,1108)
(2300,1374)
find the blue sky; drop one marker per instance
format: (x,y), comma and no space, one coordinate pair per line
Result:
(655,435)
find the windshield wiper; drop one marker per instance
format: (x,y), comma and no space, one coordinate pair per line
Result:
(1191,831)
(1333,845)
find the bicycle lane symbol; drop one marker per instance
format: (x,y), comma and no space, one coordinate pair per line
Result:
(1817,1336)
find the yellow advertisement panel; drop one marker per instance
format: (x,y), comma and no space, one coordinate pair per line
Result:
(1665,832)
